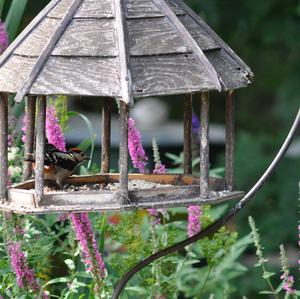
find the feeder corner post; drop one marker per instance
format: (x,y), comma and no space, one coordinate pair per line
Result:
(30,131)
(40,148)
(229,140)
(106,132)
(204,145)
(3,146)
(123,152)
(187,146)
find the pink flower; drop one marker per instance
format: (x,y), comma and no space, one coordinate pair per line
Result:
(135,147)
(288,284)
(194,224)
(3,38)
(25,124)
(90,253)
(25,276)
(159,168)
(53,130)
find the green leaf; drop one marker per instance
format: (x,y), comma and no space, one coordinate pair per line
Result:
(267,292)
(70,264)
(267,275)
(14,18)
(1,7)
(58,280)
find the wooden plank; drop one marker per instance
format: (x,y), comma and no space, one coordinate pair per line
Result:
(27,31)
(146,8)
(23,198)
(29,143)
(105,139)
(204,145)
(189,40)
(40,149)
(154,36)
(123,152)
(201,36)
(81,76)
(229,140)
(3,146)
(168,74)
(88,9)
(231,74)
(122,39)
(88,38)
(45,54)
(187,133)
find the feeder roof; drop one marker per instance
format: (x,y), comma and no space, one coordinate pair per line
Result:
(121,49)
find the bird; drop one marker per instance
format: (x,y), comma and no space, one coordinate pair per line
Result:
(59,165)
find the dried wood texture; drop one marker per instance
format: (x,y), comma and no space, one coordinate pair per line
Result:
(3,146)
(169,74)
(40,149)
(187,135)
(105,140)
(123,152)
(30,129)
(229,141)
(204,145)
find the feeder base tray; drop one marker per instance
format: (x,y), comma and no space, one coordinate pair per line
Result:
(153,191)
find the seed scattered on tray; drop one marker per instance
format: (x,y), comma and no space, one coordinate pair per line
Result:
(132,185)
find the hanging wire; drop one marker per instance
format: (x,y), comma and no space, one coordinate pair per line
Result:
(219,223)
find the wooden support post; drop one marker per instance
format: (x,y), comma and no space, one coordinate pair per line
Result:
(204,145)
(123,152)
(40,149)
(3,146)
(30,128)
(187,146)
(229,141)
(106,131)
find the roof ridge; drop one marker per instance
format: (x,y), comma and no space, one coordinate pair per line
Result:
(187,37)
(45,54)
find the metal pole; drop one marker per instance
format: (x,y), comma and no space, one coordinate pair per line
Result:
(229,141)
(30,128)
(187,147)
(40,149)
(3,146)
(106,131)
(204,145)
(123,152)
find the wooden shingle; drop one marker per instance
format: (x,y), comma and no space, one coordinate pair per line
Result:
(119,49)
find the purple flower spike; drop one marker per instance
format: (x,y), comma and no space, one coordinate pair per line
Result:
(25,276)
(3,38)
(89,250)
(194,224)
(135,147)
(195,125)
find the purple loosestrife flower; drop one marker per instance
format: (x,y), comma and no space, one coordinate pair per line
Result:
(25,124)
(89,250)
(195,125)
(53,130)
(136,151)
(288,284)
(3,38)
(194,224)
(25,276)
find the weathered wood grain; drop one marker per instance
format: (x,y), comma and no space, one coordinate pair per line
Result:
(204,145)
(3,146)
(231,74)
(34,44)
(105,138)
(154,36)
(168,74)
(30,130)
(89,9)
(146,8)
(45,54)
(79,76)
(229,140)
(201,36)
(88,38)
(40,149)
(187,134)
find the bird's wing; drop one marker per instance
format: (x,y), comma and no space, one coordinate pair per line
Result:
(61,159)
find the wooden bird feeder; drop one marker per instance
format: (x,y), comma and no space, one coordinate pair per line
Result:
(118,49)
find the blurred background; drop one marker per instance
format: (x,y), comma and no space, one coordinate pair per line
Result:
(265,34)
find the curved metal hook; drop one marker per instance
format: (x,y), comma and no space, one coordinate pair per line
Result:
(219,223)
